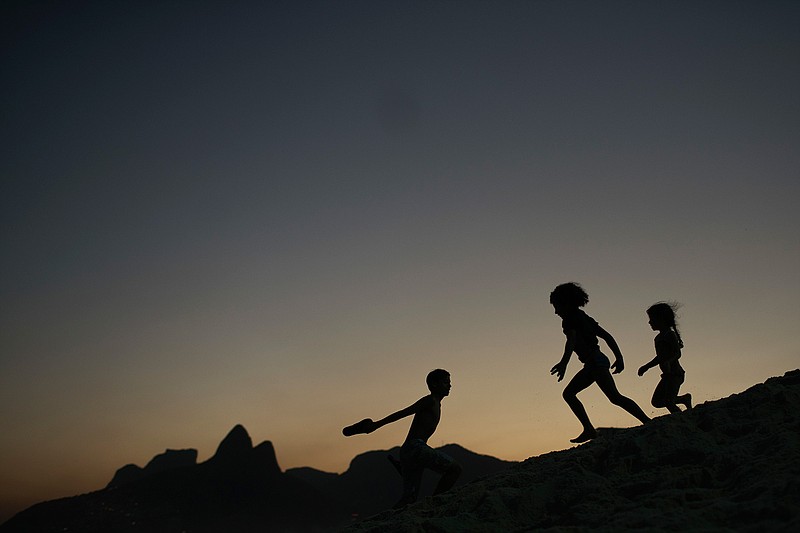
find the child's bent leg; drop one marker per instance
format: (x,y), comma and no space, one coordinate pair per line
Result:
(442,463)
(448,479)
(658,401)
(685,399)
(666,393)
(663,397)
(412,479)
(579,382)
(606,383)
(411,471)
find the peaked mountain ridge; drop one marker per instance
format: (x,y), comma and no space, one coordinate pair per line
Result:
(240,488)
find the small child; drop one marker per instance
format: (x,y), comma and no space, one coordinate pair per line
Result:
(582,331)
(415,454)
(668,350)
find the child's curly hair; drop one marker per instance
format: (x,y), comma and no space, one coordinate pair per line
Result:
(569,295)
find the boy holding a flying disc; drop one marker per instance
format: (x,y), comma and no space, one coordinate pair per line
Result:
(415,454)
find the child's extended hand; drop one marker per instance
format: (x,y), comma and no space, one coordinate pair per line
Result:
(642,370)
(559,370)
(618,366)
(365,426)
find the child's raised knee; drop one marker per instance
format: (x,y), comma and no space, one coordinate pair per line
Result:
(658,402)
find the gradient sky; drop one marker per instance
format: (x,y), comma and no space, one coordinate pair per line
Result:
(285,214)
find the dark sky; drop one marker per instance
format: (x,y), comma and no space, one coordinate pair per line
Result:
(210,209)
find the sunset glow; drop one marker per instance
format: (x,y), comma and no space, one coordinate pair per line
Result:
(283,215)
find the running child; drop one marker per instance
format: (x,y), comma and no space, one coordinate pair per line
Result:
(415,454)
(668,352)
(582,332)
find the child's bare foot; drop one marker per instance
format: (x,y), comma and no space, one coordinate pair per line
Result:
(588,434)
(687,401)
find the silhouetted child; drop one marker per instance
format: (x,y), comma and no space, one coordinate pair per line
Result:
(415,454)
(668,350)
(582,331)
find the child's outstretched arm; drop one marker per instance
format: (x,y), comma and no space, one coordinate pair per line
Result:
(368,425)
(619,364)
(560,368)
(402,413)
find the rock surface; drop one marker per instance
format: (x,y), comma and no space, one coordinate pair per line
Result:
(731,464)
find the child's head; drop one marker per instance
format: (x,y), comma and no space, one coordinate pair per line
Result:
(568,296)
(662,314)
(438,382)
(662,317)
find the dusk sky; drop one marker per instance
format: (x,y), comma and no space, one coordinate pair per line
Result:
(284,214)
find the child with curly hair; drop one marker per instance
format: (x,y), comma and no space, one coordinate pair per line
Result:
(582,332)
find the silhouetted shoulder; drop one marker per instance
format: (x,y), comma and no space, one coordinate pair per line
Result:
(427,401)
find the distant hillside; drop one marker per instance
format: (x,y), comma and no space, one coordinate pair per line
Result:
(241,488)
(731,464)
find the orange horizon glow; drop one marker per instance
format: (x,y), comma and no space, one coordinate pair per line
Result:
(284,216)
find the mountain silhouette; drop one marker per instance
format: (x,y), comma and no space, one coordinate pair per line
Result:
(169,460)
(240,488)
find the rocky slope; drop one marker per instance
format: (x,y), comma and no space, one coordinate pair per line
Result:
(731,464)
